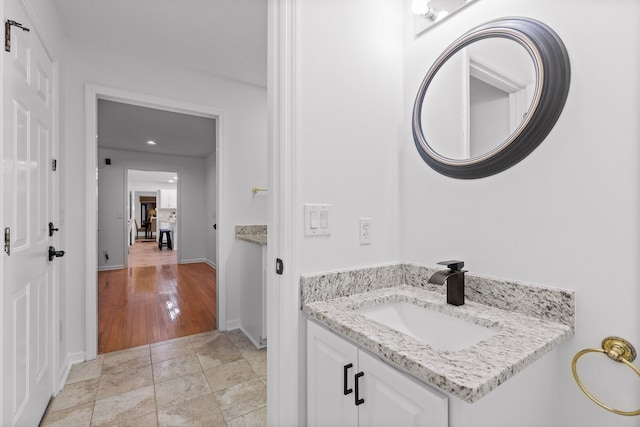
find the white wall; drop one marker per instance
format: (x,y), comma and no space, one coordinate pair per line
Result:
(192,191)
(244,156)
(350,116)
(349,121)
(247,276)
(567,215)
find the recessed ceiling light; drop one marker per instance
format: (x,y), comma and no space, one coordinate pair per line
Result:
(171,181)
(150,142)
(175,177)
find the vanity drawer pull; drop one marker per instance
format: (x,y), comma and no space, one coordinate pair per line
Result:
(345,379)
(357,377)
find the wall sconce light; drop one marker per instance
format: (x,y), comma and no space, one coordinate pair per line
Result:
(427,13)
(421,7)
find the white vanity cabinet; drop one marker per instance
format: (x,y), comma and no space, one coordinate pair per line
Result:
(167,199)
(346,386)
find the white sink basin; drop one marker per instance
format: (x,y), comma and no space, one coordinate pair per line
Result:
(431,327)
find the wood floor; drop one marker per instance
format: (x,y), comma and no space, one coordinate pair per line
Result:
(154,300)
(145,253)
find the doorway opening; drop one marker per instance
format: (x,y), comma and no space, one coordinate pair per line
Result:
(152,212)
(186,220)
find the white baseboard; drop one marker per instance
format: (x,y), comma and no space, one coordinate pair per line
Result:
(233,324)
(253,341)
(110,267)
(192,261)
(71,359)
(196,260)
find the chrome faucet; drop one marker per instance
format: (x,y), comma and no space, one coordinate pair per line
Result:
(454,277)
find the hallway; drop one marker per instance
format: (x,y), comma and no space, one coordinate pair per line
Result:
(154,300)
(160,362)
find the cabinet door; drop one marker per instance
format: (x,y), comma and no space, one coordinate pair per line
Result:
(167,199)
(392,398)
(327,356)
(162,200)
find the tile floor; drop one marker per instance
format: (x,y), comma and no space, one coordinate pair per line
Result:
(208,379)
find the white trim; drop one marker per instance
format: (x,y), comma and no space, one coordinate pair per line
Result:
(516,90)
(177,243)
(493,77)
(2,255)
(210,263)
(38,29)
(70,360)
(283,393)
(250,338)
(55,217)
(111,267)
(194,261)
(92,94)
(234,324)
(125,223)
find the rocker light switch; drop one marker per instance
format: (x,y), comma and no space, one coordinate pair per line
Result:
(316,220)
(324,219)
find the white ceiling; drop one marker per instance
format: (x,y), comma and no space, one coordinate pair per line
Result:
(223,37)
(129,127)
(156,177)
(227,38)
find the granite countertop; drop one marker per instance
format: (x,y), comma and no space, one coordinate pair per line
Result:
(252,233)
(470,373)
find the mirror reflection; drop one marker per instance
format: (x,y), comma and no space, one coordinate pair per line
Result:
(489,86)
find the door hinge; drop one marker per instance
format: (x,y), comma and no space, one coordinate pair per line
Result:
(7,32)
(7,240)
(279,266)
(54,165)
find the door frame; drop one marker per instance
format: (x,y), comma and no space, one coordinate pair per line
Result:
(127,232)
(286,394)
(94,92)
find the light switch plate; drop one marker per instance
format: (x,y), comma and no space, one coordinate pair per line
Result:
(317,219)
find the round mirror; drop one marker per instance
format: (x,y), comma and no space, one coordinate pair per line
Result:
(491,98)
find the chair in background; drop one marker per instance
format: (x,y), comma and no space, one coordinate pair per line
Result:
(139,229)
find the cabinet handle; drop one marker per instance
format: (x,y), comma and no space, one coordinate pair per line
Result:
(345,377)
(358,400)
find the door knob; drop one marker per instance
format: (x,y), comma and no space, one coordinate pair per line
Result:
(53,253)
(51,229)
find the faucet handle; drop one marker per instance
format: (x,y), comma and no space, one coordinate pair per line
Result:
(454,265)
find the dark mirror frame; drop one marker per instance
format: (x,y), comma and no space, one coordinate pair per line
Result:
(553,73)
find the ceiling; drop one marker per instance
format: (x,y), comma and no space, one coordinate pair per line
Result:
(129,127)
(227,38)
(155,177)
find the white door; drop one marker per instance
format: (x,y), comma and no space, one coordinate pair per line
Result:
(391,398)
(332,363)
(27,198)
